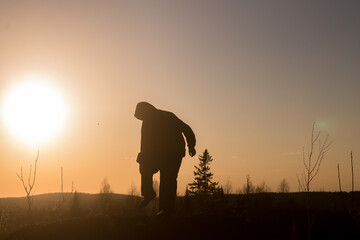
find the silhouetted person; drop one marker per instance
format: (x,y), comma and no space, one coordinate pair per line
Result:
(162,149)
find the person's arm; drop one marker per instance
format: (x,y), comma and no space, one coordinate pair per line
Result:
(143,142)
(190,137)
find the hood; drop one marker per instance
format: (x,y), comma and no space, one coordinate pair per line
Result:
(144,110)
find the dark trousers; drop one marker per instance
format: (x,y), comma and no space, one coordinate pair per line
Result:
(168,183)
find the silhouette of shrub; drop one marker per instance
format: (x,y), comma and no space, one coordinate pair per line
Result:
(248,187)
(75,210)
(262,188)
(283,186)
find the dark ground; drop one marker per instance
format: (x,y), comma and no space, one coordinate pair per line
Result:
(197,227)
(254,216)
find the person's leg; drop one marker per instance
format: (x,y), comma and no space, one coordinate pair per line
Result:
(147,190)
(168,185)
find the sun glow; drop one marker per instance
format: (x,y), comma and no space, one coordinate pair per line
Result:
(34,112)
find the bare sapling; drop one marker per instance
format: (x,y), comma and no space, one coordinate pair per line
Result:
(338,167)
(352,180)
(64,196)
(352,172)
(29,184)
(312,162)
(341,195)
(313,159)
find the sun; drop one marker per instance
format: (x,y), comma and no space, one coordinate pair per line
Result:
(34,112)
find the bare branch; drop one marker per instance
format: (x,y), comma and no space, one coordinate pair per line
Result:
(305,165)
(36,160)
(299,184)
(29,176)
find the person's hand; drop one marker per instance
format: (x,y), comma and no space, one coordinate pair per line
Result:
(138,159)
(192,151)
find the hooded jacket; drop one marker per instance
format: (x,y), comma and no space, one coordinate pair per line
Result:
(161,135)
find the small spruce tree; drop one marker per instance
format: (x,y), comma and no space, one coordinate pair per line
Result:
(203,184)
(204,193)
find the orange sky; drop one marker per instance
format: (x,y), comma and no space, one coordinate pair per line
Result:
(249,78)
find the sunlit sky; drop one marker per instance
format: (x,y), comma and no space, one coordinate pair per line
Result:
(249,77)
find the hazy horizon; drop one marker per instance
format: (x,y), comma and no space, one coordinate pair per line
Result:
(250,78)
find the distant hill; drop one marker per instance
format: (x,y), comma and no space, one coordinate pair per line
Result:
(50,200)
(319,200)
